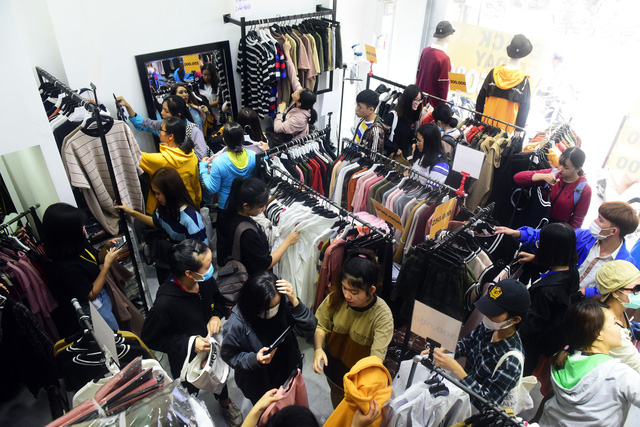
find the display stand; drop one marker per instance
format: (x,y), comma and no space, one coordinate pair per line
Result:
(320,12)
(95,110)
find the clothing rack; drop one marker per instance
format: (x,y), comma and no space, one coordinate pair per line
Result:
(95,110)
(343,212)
(299,141)
(395,163)
(391,82)
(487,405)
(243,24)
(34,215)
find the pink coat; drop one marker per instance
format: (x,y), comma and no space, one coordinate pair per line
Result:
(296,124)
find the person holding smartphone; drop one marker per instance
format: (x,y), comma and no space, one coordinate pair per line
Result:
(266,308)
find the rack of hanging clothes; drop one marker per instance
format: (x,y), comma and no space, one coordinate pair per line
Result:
(326,133)
(34,216)
(442,272)
(315,47)
(490,412)
(497,145)
(100,140)
(325,225)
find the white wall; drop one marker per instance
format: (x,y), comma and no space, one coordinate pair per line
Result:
(406,42)
(24,120)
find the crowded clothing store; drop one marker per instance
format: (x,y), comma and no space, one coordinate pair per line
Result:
(318,213)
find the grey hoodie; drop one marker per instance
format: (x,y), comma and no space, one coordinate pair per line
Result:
(601,398)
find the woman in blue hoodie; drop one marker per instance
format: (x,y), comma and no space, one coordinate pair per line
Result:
(591,387)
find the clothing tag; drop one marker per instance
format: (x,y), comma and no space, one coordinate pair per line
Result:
(97,303)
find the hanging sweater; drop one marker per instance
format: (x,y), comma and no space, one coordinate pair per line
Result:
(366,381)
(563,207)
(505,95)
(185,164)
(433,74)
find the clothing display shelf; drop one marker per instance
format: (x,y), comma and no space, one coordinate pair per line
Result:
(34,216)
(321,12)
(342,211)
(326,132)
(447,239)
(391,82)
(95,110)
(385,159)
(487,405)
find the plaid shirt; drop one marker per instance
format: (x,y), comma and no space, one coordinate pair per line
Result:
(482,358)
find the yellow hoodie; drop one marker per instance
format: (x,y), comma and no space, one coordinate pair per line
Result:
(367,380)
(506,93)
(185,164)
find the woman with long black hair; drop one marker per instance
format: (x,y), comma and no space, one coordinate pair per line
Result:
(295,120)
(403,120)
(266,308)
(429,157)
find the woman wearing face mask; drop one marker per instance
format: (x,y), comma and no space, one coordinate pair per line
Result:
(266,308)
(619,284)
(353,322)
(403,120)
(570,195)
(443,118)
(172,106)
(189,304)
(591,387)
(504,308)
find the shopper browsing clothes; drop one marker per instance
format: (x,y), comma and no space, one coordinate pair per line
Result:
(266,308)
(294,122)
(353,322)
(172,106)
(591,387)
(570,195)
(443,118)
(403,120)
(76,264)
(370,130)
(189,304)
(429,157)
(503,308)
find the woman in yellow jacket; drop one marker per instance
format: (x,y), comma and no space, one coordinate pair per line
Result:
(176,151)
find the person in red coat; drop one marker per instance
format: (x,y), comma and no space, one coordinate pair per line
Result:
(570,193)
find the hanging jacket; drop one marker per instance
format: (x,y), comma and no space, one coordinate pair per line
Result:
(594,391)
(562,197)
(367,380)
(505,95)
(185,164)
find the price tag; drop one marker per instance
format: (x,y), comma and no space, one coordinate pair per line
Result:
(624,155)
(371,53)
(441,217)
(388,216)
(458,81)
(191,63)
(430,323)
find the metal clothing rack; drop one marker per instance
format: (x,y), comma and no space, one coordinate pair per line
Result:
(343,212)
(391,82)
(487,405)
(299,141)
(243,24)
(34,215)
(95,110)
(410,170)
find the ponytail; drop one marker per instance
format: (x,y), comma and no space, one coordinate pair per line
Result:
(181,132)
(453,122)
(307,100)
(252,191)
(313,117)
(559,359)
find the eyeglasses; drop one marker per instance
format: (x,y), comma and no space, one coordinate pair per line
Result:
(635,290)
(417,101)
(162,130)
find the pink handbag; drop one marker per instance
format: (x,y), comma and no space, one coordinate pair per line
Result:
(293,392)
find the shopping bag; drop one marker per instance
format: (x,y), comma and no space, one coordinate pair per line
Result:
(207,371)
(292,392)
(519,398)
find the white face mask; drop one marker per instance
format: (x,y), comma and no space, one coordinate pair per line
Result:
(495,326)
(269,314)
(596,230)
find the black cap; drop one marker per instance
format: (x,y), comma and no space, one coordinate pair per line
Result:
(443,30)
(519,47)
(508,295)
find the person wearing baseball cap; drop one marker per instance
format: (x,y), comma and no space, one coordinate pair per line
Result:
(504,307)
(619,284)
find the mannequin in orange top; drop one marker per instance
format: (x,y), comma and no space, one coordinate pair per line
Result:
(506,92)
